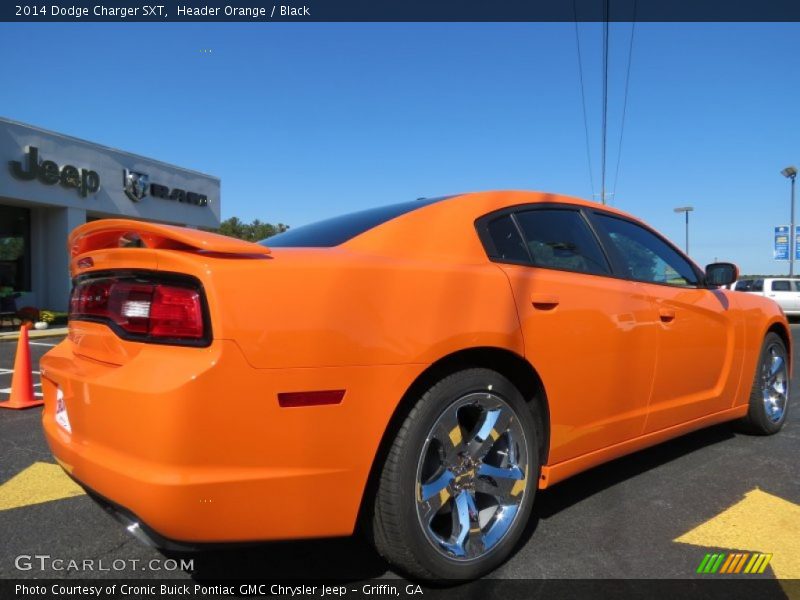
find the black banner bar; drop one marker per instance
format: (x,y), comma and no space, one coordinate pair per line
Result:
(707,588)
(398,10)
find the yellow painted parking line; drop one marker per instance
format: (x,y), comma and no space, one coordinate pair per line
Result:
(762,523)
(41,482)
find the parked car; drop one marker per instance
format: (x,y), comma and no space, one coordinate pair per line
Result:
(421,369)
(742,285)
(783,290)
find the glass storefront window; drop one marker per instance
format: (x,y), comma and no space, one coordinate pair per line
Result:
(15,249)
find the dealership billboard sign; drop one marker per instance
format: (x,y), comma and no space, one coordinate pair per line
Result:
(780,250)
(797,242)
(87,181)
(49,169)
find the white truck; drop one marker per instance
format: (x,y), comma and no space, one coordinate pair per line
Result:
(783,290)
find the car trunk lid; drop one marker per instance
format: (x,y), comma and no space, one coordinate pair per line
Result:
(136,282)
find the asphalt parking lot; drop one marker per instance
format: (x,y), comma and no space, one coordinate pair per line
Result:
(654,514)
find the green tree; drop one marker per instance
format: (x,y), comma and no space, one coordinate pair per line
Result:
(252,232)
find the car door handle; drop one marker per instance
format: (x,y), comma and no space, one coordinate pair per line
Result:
(544,301)
(666,314)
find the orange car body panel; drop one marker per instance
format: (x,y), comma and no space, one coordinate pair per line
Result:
(590,411)
(200,450)
(193,441)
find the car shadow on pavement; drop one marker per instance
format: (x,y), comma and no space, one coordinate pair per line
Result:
(595,480)
(340,559)
(584,485)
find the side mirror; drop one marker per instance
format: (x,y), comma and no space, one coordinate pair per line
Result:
(719,274)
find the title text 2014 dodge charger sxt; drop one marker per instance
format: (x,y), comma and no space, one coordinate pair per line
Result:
(421,369)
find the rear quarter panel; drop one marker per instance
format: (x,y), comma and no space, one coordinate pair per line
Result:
(300,320)
(335,307)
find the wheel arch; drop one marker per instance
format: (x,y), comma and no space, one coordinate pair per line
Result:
(781,330)
(509,364)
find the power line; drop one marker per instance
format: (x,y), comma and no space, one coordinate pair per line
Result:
(605,102)
(625,101)
(583,98)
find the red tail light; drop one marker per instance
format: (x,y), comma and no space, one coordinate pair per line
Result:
(141,309)
(176,312)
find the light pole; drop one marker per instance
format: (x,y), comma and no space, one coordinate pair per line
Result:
(686,210)
(791,173)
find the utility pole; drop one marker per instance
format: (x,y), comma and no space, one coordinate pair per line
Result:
(605,102)
(685,210)
(791,173)
(604,197)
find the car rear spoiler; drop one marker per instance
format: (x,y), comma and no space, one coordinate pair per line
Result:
(126,233)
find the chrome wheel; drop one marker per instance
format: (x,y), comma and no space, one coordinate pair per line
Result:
(774,382)
(471,476)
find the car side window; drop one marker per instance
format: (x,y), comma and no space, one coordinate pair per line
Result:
(796,286)
(508,244)
(645,256)
(758,286)
(781,285)
(743,285)
(561,239)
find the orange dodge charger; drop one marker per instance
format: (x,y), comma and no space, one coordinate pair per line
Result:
(419,369)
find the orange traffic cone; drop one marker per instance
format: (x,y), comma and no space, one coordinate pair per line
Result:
(22,379)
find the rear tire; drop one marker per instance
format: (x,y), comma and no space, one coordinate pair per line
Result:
(458,483)
(769,396)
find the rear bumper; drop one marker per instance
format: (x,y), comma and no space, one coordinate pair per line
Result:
(136,527)
(193,442)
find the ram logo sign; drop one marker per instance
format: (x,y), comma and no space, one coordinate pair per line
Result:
(136,185)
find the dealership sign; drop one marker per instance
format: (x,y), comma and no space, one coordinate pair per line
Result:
(86,181)
(797,242)
(780,250)
(48,172)
(137,185)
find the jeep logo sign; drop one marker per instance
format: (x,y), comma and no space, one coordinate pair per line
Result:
(85,181)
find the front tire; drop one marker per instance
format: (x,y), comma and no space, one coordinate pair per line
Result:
(769,396)
(458,483)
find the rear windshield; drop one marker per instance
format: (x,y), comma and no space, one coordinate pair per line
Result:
(337,230)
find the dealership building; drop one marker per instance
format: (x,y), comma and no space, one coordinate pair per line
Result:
(51,183)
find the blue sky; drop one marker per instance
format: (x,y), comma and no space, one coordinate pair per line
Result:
(305,121)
